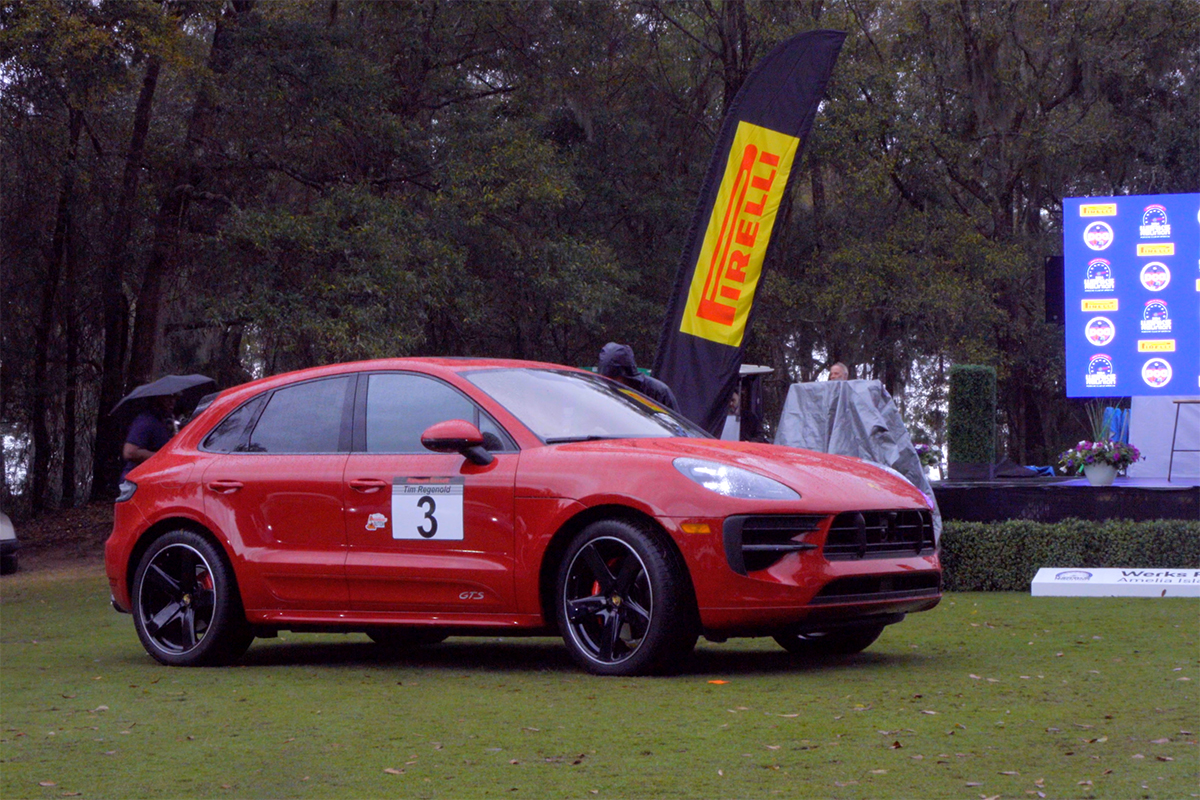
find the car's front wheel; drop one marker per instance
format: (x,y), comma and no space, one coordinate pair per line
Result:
(843,642)
(624,602)
(185,603)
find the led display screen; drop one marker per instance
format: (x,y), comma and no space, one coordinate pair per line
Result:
(1132,294)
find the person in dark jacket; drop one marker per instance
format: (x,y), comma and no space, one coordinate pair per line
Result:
(148,432)
(616,362)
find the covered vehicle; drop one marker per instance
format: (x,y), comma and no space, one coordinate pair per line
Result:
(413,499)
(9,545)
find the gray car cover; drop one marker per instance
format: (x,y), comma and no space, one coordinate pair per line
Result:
(853,418)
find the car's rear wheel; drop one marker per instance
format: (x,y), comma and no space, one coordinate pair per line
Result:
(402,638)
(624,603)
(843,642)
(185,603)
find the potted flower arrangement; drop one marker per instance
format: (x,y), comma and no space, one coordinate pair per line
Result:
(1101,458)
(929,455)
(1099,461)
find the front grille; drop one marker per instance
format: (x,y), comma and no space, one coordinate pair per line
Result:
(863,588)
(879,534)
(755,543)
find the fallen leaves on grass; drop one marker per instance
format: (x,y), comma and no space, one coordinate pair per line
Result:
(393,771)
(718,683)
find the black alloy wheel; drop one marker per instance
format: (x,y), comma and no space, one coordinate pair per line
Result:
(624,604)
(839,642)
(185,603)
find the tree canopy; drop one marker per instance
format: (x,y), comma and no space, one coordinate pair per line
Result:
(240,188)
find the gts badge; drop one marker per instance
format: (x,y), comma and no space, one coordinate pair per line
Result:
(376,522)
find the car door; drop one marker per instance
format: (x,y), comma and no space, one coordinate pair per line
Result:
(281,492)
(426,531)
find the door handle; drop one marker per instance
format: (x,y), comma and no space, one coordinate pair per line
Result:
(368,485)
(225,487)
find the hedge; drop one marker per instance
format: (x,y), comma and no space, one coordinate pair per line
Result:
(971,423)
(1005,556)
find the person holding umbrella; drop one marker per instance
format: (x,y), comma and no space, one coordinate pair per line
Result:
(154,425)
(150,430)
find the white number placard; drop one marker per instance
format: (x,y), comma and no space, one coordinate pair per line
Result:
(427,508)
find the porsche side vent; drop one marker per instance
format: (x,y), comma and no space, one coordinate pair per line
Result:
(757,542)
(879,534)
(865,588)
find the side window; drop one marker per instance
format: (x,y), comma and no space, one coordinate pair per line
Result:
(230,433)
(401,406)
(305,418)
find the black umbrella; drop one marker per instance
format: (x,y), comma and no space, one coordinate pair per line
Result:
(167,385)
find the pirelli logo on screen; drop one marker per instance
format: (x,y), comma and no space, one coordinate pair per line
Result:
(1098,210)
(1156,345)
(1164,249)
(1099,305)
(739,229)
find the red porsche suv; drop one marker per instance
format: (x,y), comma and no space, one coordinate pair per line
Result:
(414,499)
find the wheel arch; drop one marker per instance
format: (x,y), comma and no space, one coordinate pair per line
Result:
(164,526)
(553,554)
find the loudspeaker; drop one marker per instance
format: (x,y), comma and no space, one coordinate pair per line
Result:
(1055,287)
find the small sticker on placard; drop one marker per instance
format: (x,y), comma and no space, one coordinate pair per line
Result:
(427,508)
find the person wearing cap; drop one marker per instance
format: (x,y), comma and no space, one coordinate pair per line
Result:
(616,362)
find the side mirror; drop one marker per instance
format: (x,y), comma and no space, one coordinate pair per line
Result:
(457,436)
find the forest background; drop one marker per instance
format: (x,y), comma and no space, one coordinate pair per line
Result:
(240,188)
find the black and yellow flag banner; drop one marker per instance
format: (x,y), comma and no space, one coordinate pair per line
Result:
(711,308)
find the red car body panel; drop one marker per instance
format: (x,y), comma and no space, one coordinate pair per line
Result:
(303,533)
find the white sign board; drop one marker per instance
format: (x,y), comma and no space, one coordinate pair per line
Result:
(427,508)
(1068,582)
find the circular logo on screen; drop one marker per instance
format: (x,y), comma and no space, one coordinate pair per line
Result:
(1098,235)
(1100,372)
(1155,275)
(1156,373)
(1099,276)
(1154,223)
(1100,331)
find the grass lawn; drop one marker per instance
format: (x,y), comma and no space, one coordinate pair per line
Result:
(988,695)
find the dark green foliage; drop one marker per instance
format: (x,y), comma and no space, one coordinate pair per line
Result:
(971,426)
(515,179)
(1005,556)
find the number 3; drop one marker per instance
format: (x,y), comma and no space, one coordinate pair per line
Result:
(427,503)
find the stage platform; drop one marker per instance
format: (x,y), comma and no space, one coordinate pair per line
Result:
(1054,499)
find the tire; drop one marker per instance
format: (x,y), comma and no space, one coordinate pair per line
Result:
(404,638)
(9,564)
(624,603)
(186,606)
(843,642)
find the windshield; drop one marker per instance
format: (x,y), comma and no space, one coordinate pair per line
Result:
(578,406)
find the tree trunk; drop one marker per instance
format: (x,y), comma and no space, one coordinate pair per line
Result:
(105,455)
(43,393)
(71,371)
(192,172)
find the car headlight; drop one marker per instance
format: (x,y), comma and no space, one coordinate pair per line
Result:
(733,481)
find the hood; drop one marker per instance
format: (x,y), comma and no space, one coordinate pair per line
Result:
(825,482)
(616,361)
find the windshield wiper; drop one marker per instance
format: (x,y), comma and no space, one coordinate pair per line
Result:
(592,438)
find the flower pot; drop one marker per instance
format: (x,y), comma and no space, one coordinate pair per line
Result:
(1100,474)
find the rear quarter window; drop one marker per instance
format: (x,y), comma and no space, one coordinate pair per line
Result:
(230,434)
